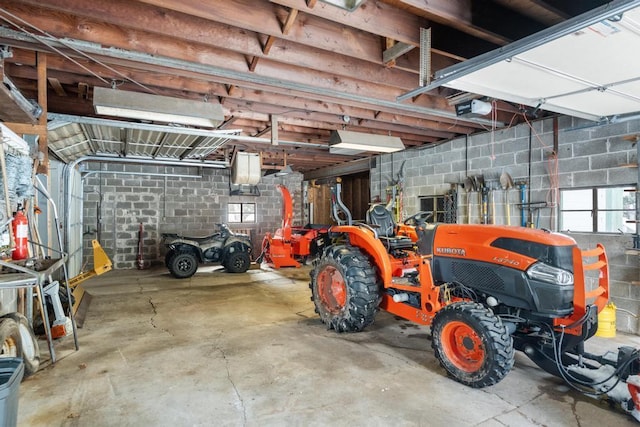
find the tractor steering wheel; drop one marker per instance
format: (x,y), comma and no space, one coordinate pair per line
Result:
(418,219)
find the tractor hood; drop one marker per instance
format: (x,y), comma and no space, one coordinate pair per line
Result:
(514,247)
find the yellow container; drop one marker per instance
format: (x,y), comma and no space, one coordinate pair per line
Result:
(607,322)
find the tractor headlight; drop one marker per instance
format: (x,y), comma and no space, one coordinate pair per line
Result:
(547,273)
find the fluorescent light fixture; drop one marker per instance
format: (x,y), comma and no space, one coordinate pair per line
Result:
(350,143)
(142,106)
(349,5)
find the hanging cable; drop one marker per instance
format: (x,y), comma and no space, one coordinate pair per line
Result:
(552,197)
(44,41)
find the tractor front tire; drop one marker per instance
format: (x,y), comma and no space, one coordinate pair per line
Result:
(472,344)
(345,289)
(183,265)
(237,262)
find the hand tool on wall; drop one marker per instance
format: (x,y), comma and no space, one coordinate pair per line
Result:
(485,204)
(492,196)
(523,202)
(468,186)
(482,198)
(506,182)
(140,255)
(395,195)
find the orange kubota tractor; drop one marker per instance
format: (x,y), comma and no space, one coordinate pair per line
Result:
(289,245)
(485,290)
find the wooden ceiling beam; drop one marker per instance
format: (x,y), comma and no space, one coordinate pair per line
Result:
(452,13)
(56,86)
(251,100)
(537,9)
(288,23)
(43,147)
(147,70)
(220,23)
(372,17)
(237,45)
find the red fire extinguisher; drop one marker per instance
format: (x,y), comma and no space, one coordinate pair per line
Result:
(20,234)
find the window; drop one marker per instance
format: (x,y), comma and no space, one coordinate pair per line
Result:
(241,212)
(442,207)
(603,210)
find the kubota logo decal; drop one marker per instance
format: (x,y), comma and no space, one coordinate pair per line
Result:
(451,251)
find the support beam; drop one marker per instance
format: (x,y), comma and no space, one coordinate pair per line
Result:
(57,87)
(178,36)
(264,131)
(346,168)
(43,146)
(27,129)
(291,18)
(396,51)
(83,90)
(274,129)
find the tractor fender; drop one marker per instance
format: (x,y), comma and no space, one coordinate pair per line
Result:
(372,246)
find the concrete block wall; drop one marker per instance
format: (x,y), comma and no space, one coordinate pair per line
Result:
(116,203)
(587,156)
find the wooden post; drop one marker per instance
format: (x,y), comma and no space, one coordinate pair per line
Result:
(43,146)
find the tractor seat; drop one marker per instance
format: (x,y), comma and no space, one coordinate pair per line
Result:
(379,216)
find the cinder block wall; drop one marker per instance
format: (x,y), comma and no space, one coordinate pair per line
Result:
(587,156)
(116,202)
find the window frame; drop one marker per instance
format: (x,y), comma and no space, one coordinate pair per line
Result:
(595,210)
(437,201)
(242,212)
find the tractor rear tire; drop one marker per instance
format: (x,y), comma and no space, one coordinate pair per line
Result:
(345,289)
(472,344)
(237,262)
(183,265)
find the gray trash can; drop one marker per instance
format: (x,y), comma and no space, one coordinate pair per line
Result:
(11,372)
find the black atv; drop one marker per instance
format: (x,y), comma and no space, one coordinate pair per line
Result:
(233,251)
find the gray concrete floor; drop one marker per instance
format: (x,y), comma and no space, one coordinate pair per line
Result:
(248,350)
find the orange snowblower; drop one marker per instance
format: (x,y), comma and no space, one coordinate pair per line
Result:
(485,291)
(290,246)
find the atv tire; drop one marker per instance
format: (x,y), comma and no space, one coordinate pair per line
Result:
(183,265)
(472,344)
(29,349)
(167,257)
(237,262)
(345,289)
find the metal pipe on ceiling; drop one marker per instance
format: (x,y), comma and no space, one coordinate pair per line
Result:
(214,164)
(166,175)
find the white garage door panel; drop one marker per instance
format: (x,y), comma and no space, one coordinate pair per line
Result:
(587,67)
